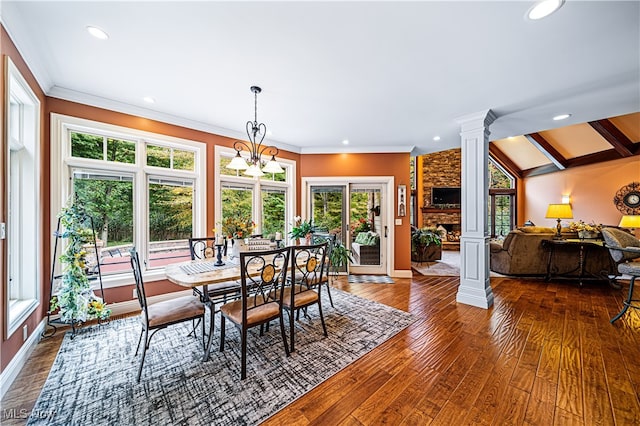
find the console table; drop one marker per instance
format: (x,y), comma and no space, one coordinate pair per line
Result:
(583,248)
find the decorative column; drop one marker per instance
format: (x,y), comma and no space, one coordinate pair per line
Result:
(475,288)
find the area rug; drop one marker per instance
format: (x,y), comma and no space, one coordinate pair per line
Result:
(370,279)
(92,380)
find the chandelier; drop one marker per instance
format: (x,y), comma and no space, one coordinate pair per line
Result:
(256,133)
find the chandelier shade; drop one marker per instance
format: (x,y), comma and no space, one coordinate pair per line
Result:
(256,133)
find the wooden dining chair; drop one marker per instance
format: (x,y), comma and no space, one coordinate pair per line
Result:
(306,281)
(161,315)
(263,275)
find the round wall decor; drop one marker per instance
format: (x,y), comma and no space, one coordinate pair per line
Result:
(627,199)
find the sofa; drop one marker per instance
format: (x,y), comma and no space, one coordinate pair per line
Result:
(522,253)
(365,250)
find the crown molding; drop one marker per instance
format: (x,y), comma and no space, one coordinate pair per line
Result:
(125,108)
(357,149)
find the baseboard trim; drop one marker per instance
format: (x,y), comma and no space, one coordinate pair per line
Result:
(402,273)
(20,359)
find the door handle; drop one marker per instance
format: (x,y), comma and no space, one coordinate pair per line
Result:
(386,231)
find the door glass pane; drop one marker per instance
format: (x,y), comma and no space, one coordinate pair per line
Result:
(365,225)
(327,212)
(170,221)
(273,212)
(107,198)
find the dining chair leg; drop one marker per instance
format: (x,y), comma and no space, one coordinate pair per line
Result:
(324,327)
(139,340)
(144,353)
(625,303)
(291,330)
(284,336)
(243,354)
(222,327)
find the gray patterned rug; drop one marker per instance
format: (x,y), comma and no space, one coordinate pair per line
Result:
(370,279)
(92,380)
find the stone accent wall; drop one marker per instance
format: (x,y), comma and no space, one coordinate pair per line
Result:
(440,169)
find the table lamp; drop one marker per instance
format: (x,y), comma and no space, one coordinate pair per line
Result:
(630,221)
(559,211)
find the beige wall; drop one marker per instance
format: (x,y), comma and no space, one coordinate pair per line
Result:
(591,187)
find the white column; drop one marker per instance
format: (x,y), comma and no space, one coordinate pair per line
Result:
(475,288)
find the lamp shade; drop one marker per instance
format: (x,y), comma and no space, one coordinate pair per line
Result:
(238,163)
(630,221)
(559,211)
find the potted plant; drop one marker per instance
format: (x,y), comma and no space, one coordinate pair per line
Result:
(301,229)
(339,257)
(75,300)
(426,244)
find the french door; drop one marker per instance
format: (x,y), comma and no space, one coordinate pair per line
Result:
(356,211)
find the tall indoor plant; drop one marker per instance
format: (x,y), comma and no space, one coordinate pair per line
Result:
(74,298)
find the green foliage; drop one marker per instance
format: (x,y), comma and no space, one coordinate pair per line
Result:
(423,237)
(301,228)
(75,299)
(363,225)
(340,256)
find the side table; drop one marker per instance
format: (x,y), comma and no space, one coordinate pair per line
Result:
(582,248)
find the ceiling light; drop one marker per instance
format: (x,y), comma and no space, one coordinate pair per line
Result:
(149,100)
(97,32)
(255,148)
(436,138)
(345,142)
(561,117)
(543,9)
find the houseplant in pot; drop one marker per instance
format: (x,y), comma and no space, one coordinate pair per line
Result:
(339,258)
(426,244)
(301,229)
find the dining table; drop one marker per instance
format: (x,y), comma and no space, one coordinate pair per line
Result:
(207,277)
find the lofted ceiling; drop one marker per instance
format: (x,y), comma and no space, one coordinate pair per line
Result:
(386,76)
(570,146)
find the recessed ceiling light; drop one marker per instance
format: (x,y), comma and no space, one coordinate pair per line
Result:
(149,100)
(345,142)
(561,117)
(511,137)
(436,138)
(543,8)
(97,32)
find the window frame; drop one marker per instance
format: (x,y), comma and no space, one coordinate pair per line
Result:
(256,184)
(24,229)
(62,164)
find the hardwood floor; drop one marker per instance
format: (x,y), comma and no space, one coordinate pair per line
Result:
(544,354)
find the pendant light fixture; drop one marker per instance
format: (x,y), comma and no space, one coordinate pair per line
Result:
(256,133)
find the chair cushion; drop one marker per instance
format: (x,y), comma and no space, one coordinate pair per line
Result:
(257,315)
(174,310)
(615,238)
(630,268)
(303,298)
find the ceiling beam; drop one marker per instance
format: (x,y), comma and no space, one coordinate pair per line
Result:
(504,161)
(541,170)
(548,150)
(620,142)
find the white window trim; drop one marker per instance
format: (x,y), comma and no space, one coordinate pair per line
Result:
(257,184)
(61,163)
(18,311)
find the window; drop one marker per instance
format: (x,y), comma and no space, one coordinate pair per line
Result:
(23,186)
(140,189)
(268,201)
(502,195)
